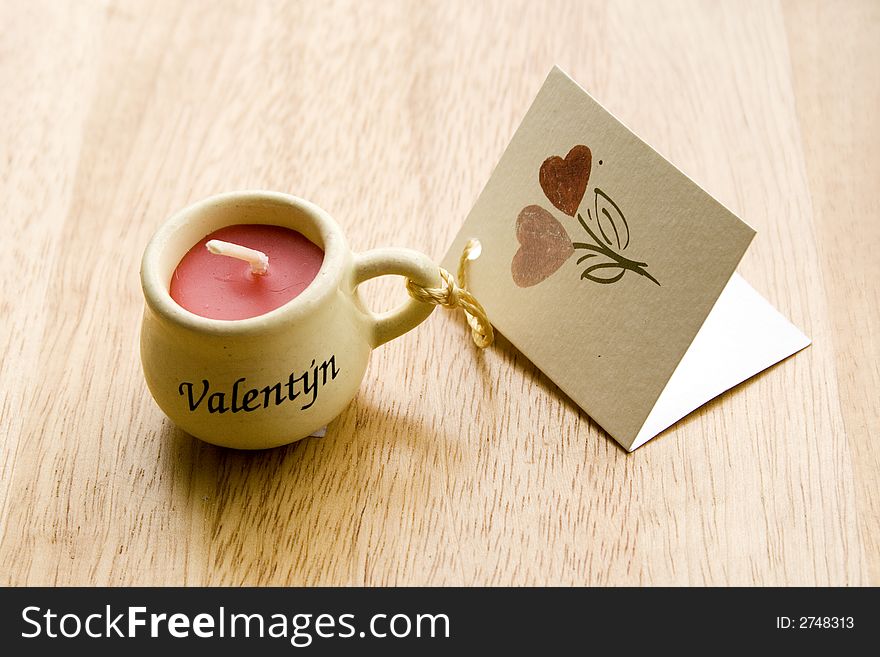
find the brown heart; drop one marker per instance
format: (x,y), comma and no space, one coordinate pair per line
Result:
(544,246)
(565,181)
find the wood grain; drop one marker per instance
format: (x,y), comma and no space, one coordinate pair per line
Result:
(451,466)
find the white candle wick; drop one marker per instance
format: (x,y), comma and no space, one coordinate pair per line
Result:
(258,260)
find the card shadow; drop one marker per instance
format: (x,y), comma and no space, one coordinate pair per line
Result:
(516,359)
(699,413)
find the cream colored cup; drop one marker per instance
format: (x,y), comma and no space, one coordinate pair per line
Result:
(276,378)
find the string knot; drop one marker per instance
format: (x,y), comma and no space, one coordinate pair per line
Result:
(452,294)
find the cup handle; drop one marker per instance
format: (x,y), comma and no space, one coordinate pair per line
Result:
(401,262)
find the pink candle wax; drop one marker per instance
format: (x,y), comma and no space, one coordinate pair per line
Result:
(220,287)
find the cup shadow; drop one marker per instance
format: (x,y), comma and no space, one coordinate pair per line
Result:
(306,514)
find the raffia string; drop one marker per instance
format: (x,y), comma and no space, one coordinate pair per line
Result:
(456,295)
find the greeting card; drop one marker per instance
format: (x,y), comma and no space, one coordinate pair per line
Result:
(614,272)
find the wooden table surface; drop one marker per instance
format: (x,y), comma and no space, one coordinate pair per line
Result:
(451,466)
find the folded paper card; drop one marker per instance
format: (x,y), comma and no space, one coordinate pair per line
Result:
(614,272)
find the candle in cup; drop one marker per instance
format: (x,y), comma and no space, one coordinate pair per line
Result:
(235,283)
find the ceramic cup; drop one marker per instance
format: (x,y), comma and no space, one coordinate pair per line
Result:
(275,378)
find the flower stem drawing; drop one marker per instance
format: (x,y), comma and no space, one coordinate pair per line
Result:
(545,243)
(619,262)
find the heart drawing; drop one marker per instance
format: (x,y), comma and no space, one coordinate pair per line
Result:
(545,246)
(564,181)
(544,242)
